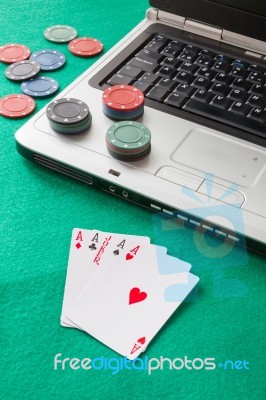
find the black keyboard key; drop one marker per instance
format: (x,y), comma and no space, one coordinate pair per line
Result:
(157,93)
(176,99)
(178,45)
(170,51)
(147,54)
(143,86)
(189,67)
(225,116)
(119,79)
(257,77)
(155,46)
(205,61)
(239,72)
(202,83)
(207,53)
(131,71)
(259,90)
(223,58)
(222,102)
(203,95)
(184,77)
(257,68)
(205,72)
(220,88)
(257,101)
(149,77)
(167,71)
(223,78)
(240,63)
(241,84)
(167,83)
(258,115)
(160,39)
(191,47)
(188,55)
(240,108)
(171,61)
(221,66)
(185,89)
(147,65)
(238,94)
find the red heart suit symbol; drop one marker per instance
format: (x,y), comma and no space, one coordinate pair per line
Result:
(129,256)
(142,340)
(135,295)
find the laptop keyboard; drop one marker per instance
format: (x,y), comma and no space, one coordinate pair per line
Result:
(199,81)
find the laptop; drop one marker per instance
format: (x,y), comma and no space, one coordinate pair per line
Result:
(202,67)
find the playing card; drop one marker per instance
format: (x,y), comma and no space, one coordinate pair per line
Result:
(127,306)
(86,248)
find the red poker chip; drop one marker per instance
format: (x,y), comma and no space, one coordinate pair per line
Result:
(16,105)
(11,53)
(123,98)
(85,47)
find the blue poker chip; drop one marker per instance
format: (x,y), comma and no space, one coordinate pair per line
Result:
(42,86)
(49,59)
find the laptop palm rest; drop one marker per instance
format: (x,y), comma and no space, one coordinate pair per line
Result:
(222,157)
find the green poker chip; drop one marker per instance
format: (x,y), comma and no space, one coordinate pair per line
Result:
(60,33)
(128,135)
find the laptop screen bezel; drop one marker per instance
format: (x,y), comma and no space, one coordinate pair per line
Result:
(217,14)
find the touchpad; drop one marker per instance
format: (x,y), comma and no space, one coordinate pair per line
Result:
(223,157)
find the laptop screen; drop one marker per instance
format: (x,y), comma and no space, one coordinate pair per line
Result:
(245,17)
(255,7)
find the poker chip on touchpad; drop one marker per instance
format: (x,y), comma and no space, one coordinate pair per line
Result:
(22,70)
(128,141)
(16,106)
(49,59)
(123,102)
(69,116)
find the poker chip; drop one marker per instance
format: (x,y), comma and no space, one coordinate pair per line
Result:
(16,106)
(49,60)
(69,116)
(85,47)
(128,140)
(22,70)
(60,33)
(121,116)
(11,53)
(42,86)
(123,102)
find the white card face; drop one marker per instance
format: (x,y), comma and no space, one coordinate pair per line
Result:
(88,250)
(127,305)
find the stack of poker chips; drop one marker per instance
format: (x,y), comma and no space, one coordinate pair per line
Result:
(123,102)
(128,141)
(68,116)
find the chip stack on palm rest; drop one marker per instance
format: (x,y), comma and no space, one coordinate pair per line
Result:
(69,116)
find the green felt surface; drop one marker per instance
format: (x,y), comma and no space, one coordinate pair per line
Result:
(225,317)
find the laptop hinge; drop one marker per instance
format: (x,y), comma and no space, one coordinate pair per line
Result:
(210,31)
(213,32)
(171,19)
(247,43)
